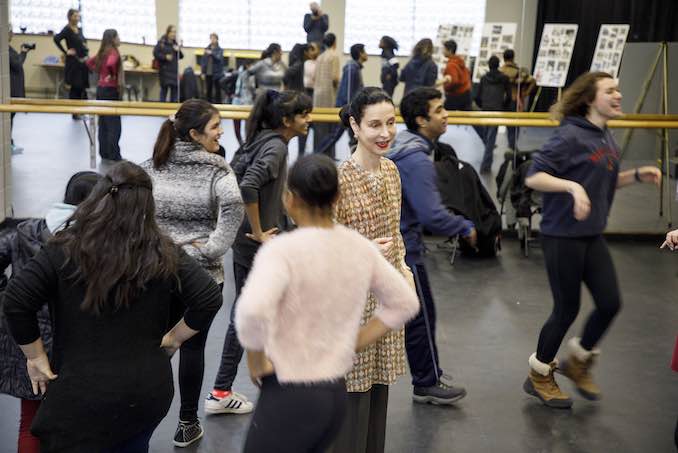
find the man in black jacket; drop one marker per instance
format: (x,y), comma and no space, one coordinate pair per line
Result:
(16,79)
(316,24)
(494,94)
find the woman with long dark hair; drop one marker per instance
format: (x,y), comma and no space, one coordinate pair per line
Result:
(261,167)
(305,318)
(112,281)
(108,65)
(389,64)
(76,75)
(167,52)
(369,202)
(577,169)
(421,70)
(199,206)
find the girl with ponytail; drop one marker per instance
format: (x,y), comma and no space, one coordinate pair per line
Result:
(261,168)
(199,206)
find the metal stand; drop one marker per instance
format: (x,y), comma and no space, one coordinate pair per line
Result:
(90,122)
(664,154)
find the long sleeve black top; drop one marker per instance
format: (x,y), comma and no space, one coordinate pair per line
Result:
(115,358)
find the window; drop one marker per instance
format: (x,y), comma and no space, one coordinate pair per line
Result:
(243,24)
(133,19)
(408,21)
(40,16)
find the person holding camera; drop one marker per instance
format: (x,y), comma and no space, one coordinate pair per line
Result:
(76,73)
(316,24)
(17,87)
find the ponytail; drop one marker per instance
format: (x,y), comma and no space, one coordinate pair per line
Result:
(192,114)
(272,106)
(164,144)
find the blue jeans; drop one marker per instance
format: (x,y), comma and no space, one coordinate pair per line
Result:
(110,127)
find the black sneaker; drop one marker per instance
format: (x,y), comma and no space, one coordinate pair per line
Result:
(187,433)
(439,394)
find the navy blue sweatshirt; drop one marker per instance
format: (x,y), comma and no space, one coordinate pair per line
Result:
(582,152)
(421,205)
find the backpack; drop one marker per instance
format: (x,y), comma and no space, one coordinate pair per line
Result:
(464,194)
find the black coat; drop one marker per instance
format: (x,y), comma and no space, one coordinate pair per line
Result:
(17,248)
(419,72)
(17,87)
(494,91)
(75,70)
(169,69)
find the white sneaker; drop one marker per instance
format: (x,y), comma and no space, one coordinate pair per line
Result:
(234,403)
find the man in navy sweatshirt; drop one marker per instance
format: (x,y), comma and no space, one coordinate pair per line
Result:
(412,150)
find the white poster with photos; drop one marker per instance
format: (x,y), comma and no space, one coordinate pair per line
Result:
(610,48)
(555,54)
(496,38)
(462,35)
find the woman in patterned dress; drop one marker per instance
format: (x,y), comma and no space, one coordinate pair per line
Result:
(369,202)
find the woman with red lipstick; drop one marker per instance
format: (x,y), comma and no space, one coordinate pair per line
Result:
(578,171)
(369,202)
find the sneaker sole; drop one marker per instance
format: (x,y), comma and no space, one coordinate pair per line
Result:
(556,404)
(186,444)
(437,401)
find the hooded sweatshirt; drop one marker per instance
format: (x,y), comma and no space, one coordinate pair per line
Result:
(494,91)
(263,182)
(419,72)
(422,206)
(582,152)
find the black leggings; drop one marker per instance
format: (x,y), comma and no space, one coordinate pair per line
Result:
(569,262)
(296,418)
(191,372)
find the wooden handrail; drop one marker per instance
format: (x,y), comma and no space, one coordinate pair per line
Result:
(322,115)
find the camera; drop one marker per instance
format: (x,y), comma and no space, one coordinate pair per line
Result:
(28,46)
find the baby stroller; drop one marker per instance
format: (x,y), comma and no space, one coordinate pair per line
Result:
(518,202)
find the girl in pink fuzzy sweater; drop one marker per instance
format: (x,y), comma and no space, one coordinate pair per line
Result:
(299,315)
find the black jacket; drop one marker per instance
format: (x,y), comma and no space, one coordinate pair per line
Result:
(419,72)
(17,248)
(17,87)
(169,69)
(389,71)
(75,70)
(494,91)
(114,380)
(264,174)
(316,29)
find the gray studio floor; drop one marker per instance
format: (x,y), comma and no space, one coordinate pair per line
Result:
(489,314)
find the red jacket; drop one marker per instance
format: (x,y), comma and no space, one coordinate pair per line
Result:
(461,79)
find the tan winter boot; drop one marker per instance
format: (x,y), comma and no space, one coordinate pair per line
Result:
(541,383)
(577,367)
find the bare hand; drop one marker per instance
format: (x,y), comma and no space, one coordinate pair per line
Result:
(265,236)
(169,57)
(582,204)
(384,244)
(169,344)
(671,240)
(207,52)
(650,174)
(40,373)
(472,238)
(71,52)
(263,368)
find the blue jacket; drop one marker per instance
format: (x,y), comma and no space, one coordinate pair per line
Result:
(421,206)
(578,151)
(419,72)
(351,82)
(217,62)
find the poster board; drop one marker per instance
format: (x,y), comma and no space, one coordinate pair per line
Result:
(463,36)
(496,38)
(610,48)
(555,54)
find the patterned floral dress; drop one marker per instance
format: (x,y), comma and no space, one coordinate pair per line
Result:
(370,204)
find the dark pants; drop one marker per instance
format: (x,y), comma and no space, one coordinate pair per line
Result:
(490,140)
(511,131)
(28,443)
(172,89)
(136,444)
(420,334)
(458,102)
(299,418)
(364,426)
(569,262)
(77,92)
(323,139)
(232,352)
(110,127)
(11,125)
(212,87)
(237,126)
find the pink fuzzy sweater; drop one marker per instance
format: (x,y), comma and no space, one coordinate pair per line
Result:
(304,298)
